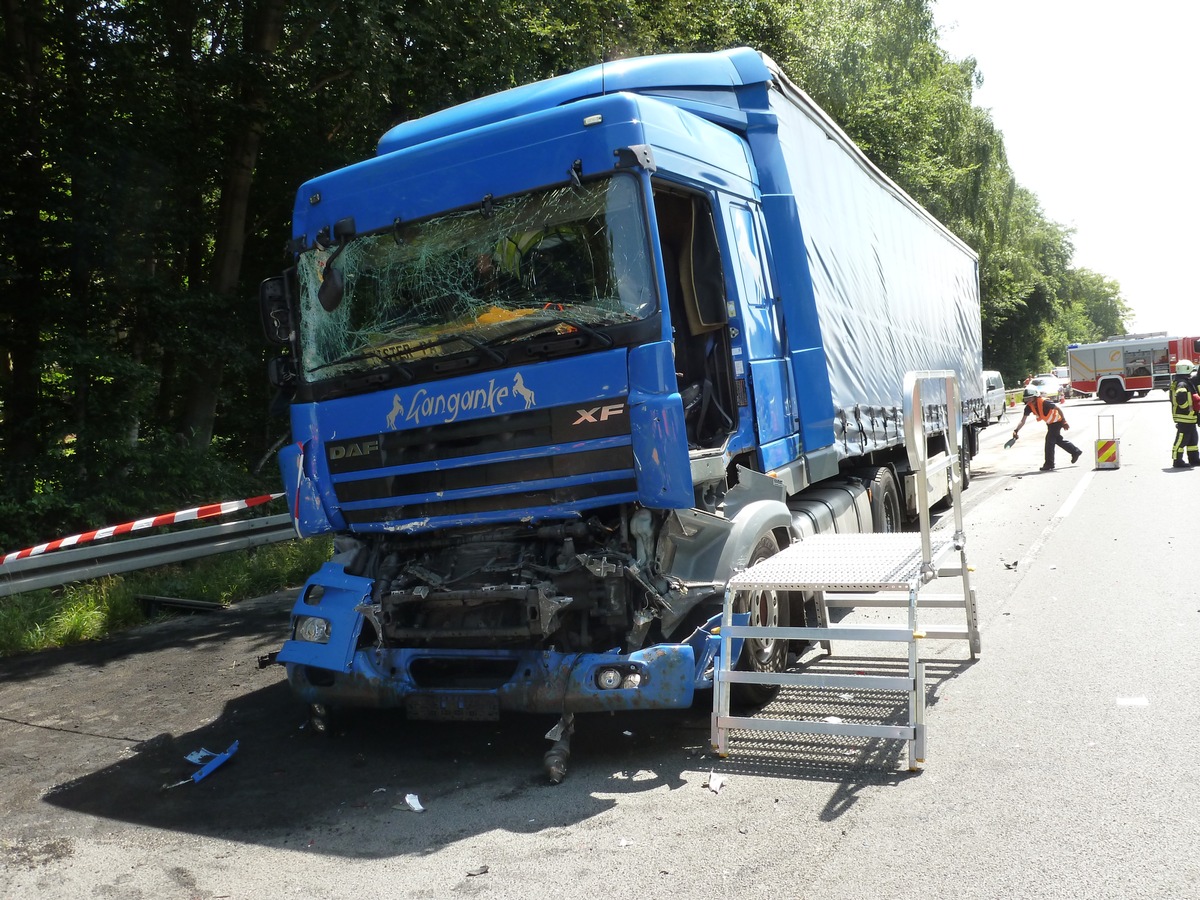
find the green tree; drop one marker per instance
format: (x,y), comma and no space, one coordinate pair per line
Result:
(157,146)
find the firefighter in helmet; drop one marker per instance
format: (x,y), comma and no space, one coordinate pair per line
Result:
(1184,401)
(1047,411)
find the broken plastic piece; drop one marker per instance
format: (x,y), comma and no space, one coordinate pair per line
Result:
(413,803)
(207,769)
(482,870)
(196,757)
(715,782)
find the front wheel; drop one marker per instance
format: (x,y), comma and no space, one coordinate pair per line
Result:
(769,608)
(885,502)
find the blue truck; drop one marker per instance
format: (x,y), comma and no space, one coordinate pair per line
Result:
(563,359)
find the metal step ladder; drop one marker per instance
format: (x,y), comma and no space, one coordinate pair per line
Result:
(863,570)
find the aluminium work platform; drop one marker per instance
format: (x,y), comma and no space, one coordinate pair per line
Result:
(860,570)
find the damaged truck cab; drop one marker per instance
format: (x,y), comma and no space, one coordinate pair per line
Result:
(564,359)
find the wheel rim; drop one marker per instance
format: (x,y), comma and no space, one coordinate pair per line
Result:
(764,611)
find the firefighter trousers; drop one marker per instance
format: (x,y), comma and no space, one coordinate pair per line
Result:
(1054,439)
(1185,442)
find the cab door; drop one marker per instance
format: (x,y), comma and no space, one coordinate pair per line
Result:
(775,411)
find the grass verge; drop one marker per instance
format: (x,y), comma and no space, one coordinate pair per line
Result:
(38,620)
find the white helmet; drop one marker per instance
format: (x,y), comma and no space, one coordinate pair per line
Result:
(1184,367)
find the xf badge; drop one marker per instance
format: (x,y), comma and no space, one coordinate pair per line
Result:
(599,414)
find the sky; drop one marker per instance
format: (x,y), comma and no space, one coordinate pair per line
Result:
(1098,105)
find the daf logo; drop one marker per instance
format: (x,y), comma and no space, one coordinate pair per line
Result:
(599,414)
(364,448)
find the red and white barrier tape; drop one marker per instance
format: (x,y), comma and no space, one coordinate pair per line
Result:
(185,515)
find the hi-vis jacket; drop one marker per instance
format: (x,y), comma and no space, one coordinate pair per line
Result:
(1046,411)
(1182,407)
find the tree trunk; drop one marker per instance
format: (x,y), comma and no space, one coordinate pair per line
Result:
(262,37)
(20,331)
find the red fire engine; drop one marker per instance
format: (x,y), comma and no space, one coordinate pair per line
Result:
(1128,365)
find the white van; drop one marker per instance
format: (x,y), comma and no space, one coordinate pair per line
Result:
(993,396)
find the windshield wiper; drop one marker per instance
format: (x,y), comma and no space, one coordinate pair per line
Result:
(558,321)
(475,342)
(403,371)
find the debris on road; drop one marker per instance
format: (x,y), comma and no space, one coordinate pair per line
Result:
(196,756)
(715,782)
(410,802)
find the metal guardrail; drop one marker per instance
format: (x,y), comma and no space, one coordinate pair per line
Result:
(98,560)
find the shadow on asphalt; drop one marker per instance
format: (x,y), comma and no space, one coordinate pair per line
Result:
(286,784)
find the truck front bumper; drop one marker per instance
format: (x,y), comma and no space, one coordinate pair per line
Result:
(480,684)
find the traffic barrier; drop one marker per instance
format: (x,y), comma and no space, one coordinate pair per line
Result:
(208,511)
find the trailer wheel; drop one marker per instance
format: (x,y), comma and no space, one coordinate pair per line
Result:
(1111,392)
(964,466)
(761,655)
(885,502)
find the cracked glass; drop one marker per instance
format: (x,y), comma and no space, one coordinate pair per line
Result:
(564,261)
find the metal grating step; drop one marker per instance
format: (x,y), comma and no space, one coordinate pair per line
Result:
(844,562)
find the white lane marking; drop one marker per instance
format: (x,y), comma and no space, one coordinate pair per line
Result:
(1069,505)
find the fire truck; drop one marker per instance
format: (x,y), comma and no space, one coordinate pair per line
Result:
(1128,365)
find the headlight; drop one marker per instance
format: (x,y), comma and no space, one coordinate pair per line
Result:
(312,629)
(608,679)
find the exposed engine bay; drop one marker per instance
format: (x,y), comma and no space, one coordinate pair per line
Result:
(586,585)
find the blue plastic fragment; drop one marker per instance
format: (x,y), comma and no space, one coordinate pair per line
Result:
(217,760)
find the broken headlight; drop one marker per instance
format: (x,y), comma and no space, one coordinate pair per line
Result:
(312,629)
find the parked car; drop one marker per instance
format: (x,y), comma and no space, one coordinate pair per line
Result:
(993,397)
(1049,387)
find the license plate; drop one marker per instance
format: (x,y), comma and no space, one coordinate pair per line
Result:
(454,707)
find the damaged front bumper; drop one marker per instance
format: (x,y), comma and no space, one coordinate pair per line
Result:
(327,665)
(480,684)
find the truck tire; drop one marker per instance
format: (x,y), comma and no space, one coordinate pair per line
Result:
(765,608)
(964,461)
(1111,392)
(886,514)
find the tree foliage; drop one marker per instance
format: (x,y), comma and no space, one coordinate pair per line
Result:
(156,147)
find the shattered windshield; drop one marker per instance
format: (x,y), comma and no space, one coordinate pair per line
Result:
(569,261)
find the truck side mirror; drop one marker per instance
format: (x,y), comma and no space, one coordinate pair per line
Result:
(333,286)
(276,310)
(281,371)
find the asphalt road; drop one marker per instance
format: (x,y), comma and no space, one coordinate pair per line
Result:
(1061,764)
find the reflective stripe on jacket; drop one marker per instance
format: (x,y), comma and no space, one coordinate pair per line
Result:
(1181,402)
(1045,410)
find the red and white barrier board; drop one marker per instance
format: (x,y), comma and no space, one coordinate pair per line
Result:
(184,515)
